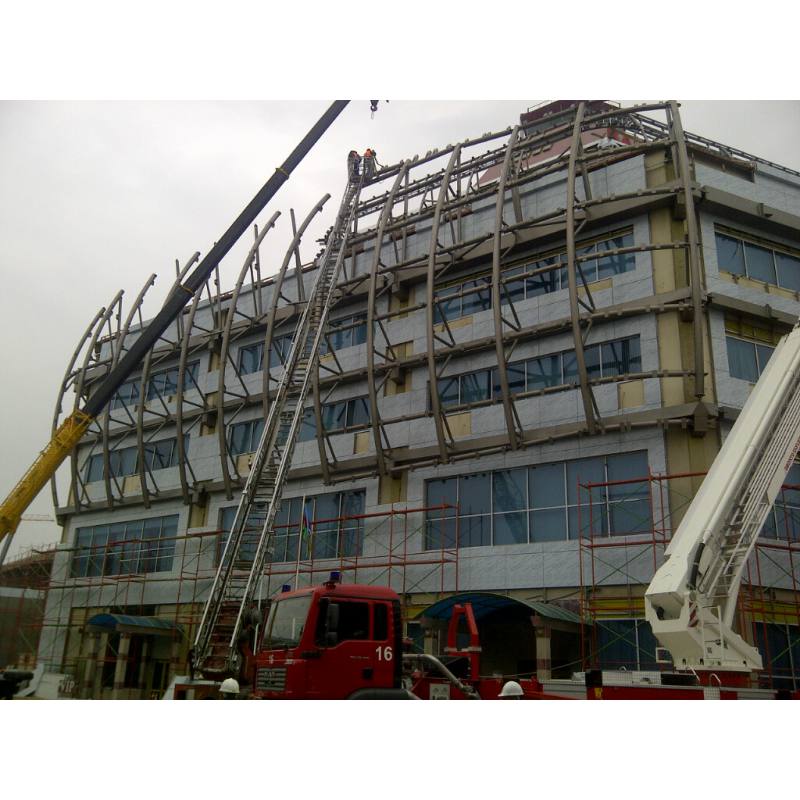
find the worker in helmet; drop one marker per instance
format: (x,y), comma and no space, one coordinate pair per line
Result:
(353,164)
(370,162)
(229,690)
(511,691)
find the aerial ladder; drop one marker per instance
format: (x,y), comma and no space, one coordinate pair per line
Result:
(231,598)
(74,427)
(691,601)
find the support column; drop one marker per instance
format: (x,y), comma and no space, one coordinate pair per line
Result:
(146,645)
(122,665)
(87,690)
(543,635)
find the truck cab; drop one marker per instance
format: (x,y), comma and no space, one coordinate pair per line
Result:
(331,642)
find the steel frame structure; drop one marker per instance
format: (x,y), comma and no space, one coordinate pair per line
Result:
(407,200)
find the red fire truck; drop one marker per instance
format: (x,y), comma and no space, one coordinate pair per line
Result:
(339,641)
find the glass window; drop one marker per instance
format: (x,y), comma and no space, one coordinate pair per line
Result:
(448,391)
(788,268)
(251,358)
(548,525)
(621,357)
(543,372)
(94,468)
(475,386)
(513,290)
(308,427)
(381,622)
(581,472)
(591,355)
(760,264)
(358,412)
(730,254)
(544,282)
(742,359)
(547,485)
(475,493)
(615,264)
(588,268)
(123,548)
(510,490)
(353,621)
(516,380)
(511,528)
(477,301)
(444,307)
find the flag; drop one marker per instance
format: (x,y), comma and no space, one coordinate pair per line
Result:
(305,531)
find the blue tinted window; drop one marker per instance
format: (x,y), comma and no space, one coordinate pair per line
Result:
(742,360)
(760,264)
(788,271)
(730,254)
(138,546)
(251,358)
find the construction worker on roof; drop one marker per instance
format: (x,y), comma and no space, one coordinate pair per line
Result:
(353,163)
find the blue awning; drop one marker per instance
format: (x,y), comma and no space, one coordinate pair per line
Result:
(485,603)
(126,623)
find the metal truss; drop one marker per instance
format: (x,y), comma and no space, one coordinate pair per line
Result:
(439,191)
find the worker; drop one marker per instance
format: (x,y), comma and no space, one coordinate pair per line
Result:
(353,163)
(370,161)
(511,691)
(229,690)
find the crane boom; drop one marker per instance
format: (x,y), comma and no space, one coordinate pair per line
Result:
(691,601)
(73,428)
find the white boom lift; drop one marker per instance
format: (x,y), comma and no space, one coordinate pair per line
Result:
(691,601)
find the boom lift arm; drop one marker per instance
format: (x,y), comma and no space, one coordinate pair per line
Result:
(691,601)
(75,426)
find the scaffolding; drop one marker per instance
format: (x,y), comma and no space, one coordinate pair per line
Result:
(616,568)
(114,578)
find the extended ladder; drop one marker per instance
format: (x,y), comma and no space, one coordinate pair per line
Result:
(215,650)
(691,601)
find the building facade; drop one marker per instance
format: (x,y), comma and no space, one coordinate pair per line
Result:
(542,337)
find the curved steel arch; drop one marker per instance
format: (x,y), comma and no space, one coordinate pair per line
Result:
(587,396)
(509,411)
(104,318)
(183,462)
(269,330)
(145,379)
(120,343)
(224,350)
(66,382)
(433,385)
(373,278)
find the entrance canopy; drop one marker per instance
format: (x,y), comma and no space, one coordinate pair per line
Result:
(125,623)
(485,603)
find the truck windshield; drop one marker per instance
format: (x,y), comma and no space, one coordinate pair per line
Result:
(286,621)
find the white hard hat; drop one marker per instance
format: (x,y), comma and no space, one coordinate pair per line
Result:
(229,686)
(511,689)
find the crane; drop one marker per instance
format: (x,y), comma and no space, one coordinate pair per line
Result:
(76,424)
(691,600)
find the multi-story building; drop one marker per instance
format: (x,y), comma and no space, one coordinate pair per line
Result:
(542,337)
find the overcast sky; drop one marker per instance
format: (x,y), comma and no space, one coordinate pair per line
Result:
(95,196)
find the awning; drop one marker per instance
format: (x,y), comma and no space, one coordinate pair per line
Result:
(485,603)
(125,623)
